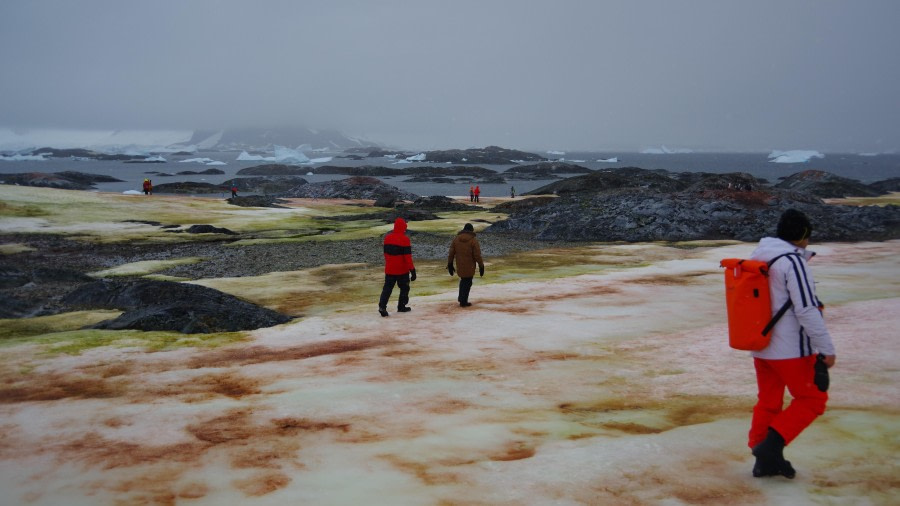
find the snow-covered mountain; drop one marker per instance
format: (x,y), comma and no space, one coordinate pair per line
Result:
(145,141)
(240,139)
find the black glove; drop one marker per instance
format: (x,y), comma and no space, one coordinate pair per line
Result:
(412,275)
(821,377)
(450,268)
(481,270)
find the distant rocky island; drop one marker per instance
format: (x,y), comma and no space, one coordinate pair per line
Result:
(637,205)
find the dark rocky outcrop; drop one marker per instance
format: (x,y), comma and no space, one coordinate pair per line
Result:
(826,185)
(86,178)
(491,155)
(627,177)
(273,169)
(351,188)
(544,170)
(886,186)
(439,204)
(189,187)
(164,305)
(145,160)
(264,184)
(66,180)
(210,172)
(84,153)
(637,205)
(208,229)
(257,201)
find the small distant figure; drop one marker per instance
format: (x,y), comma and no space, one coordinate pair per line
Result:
(512,192)
(233,191)
(467,252)
(148,187)
(471,194)
(477,192)
(398,268)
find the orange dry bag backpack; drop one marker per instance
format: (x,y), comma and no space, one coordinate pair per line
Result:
(750,319)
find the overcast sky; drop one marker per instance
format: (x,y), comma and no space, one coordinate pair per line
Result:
(427,74)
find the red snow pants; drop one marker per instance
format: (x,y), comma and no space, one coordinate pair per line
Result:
(807,404)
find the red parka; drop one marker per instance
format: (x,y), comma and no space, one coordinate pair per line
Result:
(398,250)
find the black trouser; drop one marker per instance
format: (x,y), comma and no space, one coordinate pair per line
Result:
(401,280)
(465,284)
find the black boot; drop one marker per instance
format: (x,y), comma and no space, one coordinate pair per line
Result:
(382,311)
(404,309)
(770,457)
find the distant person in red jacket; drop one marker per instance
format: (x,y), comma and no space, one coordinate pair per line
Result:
(148,187)
(477,192)
(471,194)
(234,191)
(398,268)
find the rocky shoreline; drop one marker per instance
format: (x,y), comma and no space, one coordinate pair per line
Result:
(34,282)
(630,205)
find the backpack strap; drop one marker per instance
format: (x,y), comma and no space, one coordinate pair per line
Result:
(787,305)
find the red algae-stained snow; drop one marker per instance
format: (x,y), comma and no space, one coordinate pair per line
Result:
(612,388)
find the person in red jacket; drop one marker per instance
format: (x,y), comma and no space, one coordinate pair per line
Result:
(398,268)
(477,193)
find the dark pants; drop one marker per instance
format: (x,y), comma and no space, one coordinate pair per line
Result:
(465,284)
(401,280)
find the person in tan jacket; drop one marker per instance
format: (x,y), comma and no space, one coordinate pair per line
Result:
(467,252)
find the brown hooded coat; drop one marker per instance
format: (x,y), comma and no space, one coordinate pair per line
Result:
(467,252)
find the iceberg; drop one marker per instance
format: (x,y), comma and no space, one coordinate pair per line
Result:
(97,140)
(23,158)
(794,156)
(416,158)
(614,159)
(211,141)
(663,150)
(551,152)
(282,155)
(247,157)
(204,161)
(325,159)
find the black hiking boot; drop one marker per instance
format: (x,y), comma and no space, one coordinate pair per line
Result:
(770,457)
(465,304)
(404,309)
(382,311)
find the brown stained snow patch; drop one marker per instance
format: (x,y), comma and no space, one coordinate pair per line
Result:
(228,384)
(687,278)
(232,426)
(262,484)
(246,355)
(514,450)
(265,454)
(95,450)
(52,387)
(293,426)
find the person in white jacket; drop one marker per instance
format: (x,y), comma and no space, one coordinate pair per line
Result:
(789,359)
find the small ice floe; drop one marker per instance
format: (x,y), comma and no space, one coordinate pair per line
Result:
(794,156)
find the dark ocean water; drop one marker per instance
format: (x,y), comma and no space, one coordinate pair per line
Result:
(867,169)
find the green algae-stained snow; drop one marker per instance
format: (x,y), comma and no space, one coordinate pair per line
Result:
(587,375)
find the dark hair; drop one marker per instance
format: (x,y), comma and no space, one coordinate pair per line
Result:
(794,226)
(469,227)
